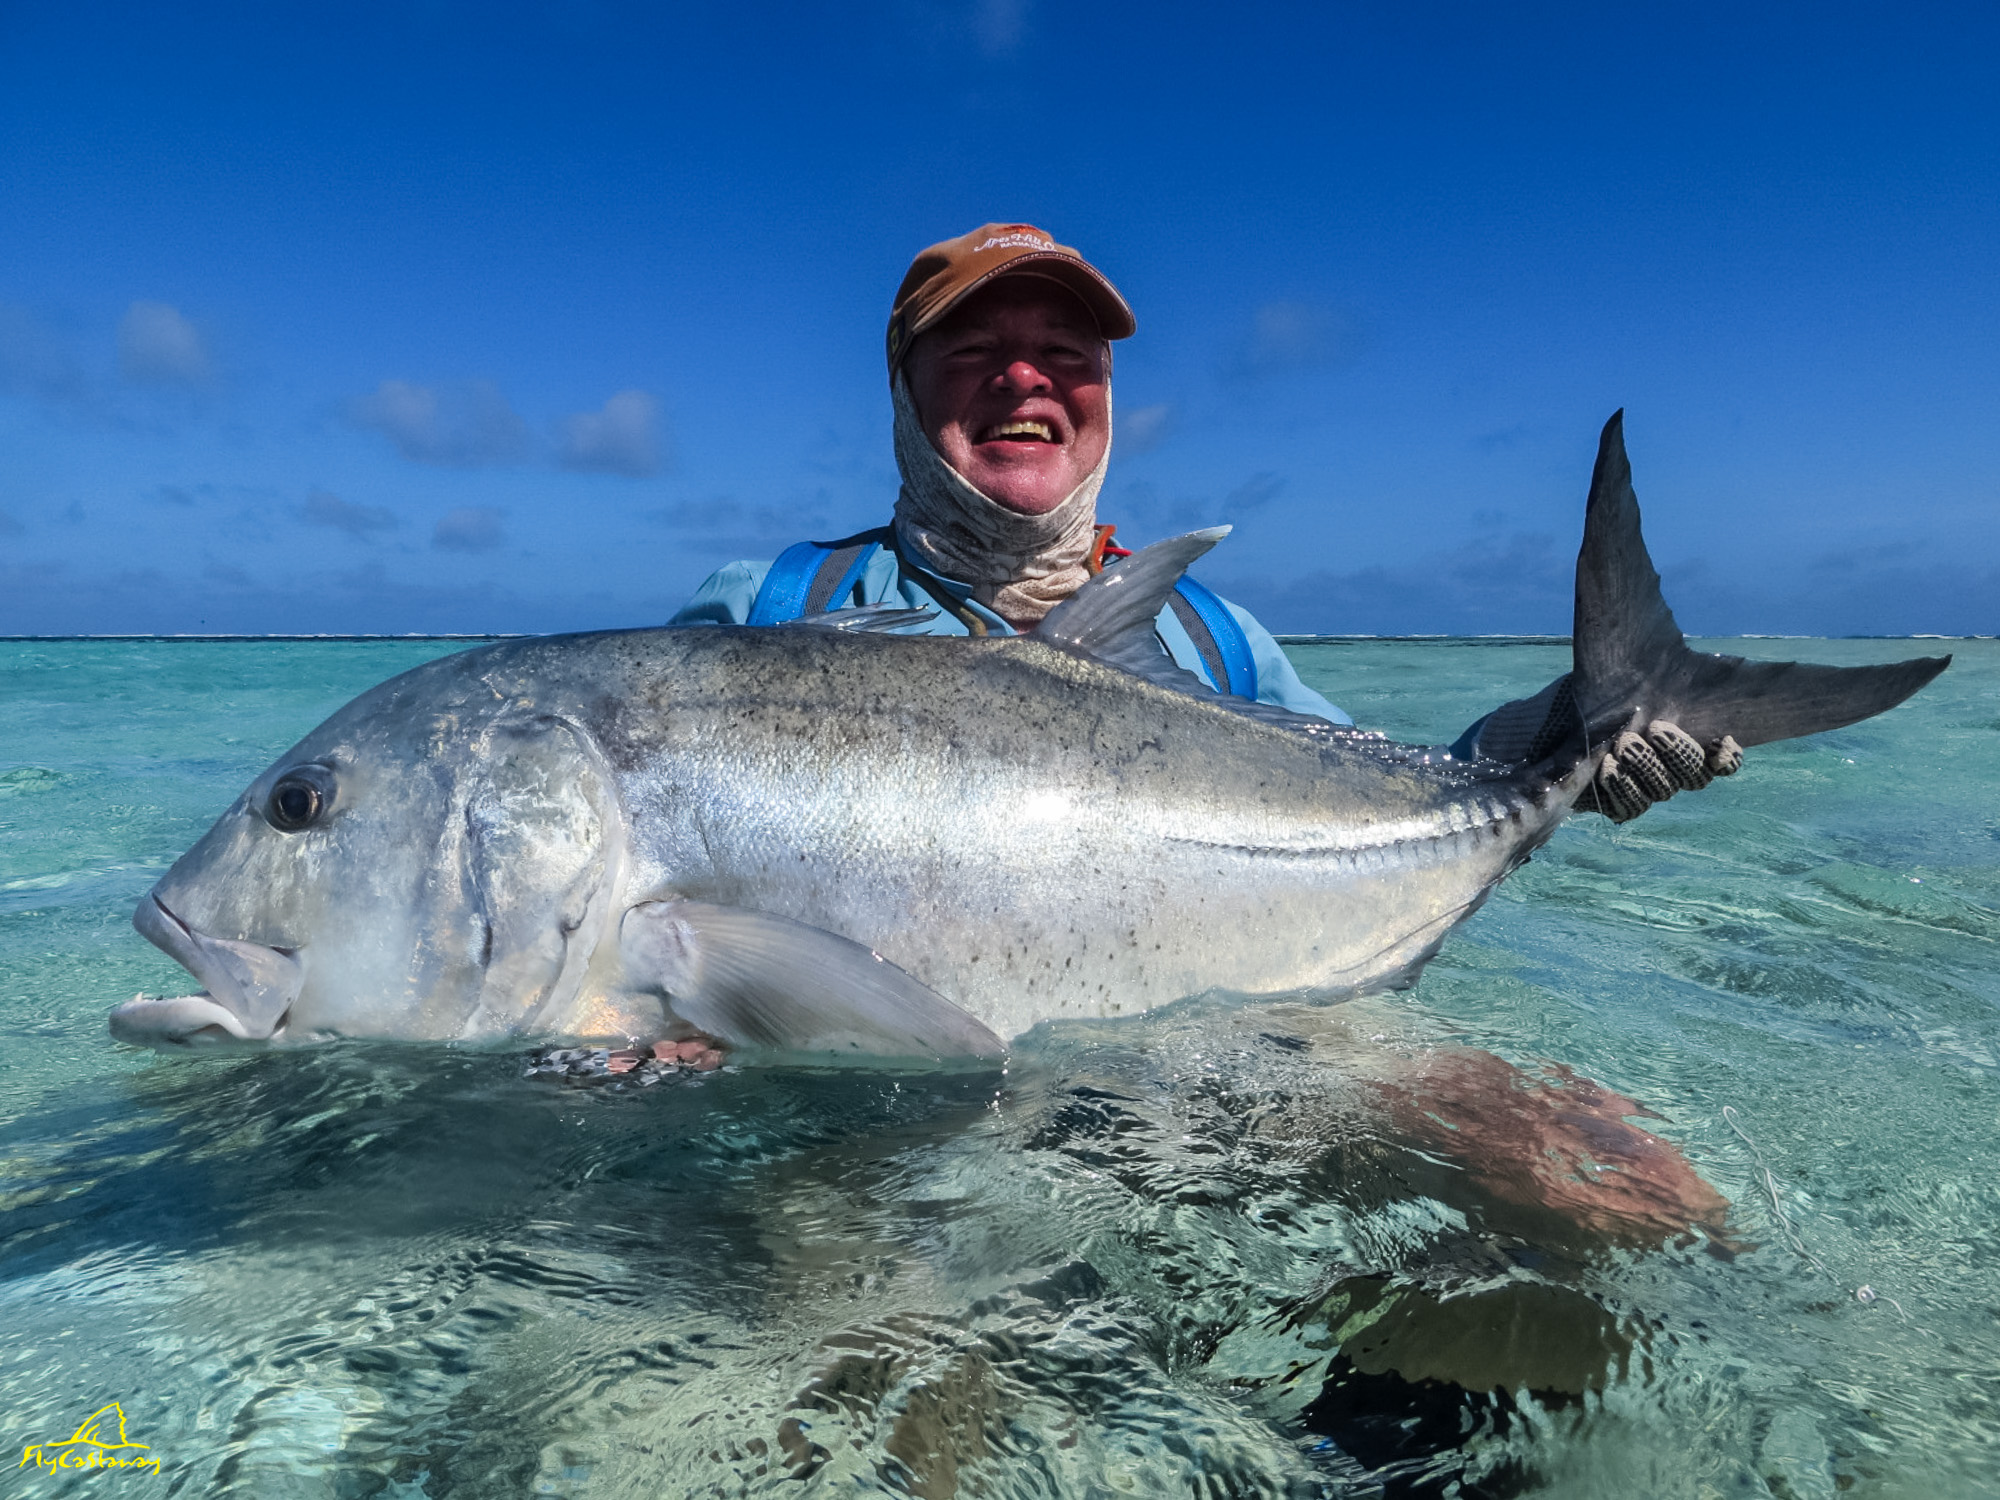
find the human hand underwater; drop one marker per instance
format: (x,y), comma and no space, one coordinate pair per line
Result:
(1641,769)
(1546,1139)
(1559,1142)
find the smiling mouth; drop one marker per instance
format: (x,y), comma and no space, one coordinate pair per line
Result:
(1027,430)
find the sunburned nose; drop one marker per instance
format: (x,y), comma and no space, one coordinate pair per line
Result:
(1024,379)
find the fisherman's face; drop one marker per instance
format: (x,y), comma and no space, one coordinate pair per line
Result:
(1011,390)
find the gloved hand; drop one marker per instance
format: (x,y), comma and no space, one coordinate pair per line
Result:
(1639,770)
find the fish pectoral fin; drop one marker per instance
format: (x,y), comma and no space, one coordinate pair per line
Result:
(751,979)
(868,619)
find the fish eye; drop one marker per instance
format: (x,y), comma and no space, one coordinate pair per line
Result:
(300,799)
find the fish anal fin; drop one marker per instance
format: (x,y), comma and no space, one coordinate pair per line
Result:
(751,979)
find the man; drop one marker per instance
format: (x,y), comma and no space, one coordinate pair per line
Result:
(999,352)
(1000,374)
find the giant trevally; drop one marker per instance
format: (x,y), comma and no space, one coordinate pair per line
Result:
(817,840)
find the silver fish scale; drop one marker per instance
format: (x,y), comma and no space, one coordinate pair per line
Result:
(1028,832)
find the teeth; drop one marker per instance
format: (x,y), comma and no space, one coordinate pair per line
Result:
(1040,430)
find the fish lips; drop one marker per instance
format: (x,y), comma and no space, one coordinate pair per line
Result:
(249,988)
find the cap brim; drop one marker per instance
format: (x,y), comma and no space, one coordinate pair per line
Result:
(1074,274)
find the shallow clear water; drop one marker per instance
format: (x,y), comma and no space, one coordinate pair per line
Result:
(1128,1265)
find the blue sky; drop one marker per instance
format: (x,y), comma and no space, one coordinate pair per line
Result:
(456,318)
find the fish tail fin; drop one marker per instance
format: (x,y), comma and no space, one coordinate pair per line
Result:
(1631,662)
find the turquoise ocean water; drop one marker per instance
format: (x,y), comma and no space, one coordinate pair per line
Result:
(1156,1257)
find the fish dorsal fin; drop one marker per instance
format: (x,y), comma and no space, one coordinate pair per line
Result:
(752,979)
(1121,603)
(1111,617)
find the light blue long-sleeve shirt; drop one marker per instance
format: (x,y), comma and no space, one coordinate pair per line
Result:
(726,599)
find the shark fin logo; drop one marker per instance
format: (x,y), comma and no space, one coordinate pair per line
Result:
(93,1447)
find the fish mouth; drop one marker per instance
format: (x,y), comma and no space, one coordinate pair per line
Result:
(247,995)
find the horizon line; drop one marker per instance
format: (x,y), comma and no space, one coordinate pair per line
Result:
(1283,639)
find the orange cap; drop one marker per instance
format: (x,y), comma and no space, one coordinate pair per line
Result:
(942,276)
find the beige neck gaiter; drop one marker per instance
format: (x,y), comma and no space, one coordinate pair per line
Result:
(1020,567)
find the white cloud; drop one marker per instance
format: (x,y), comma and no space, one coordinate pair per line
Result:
(1288,336)
(724,515)
(1253,493)
(623,438)
(1143,428)
(465,425)
(325,509)
(473,528)
(157,345)
(1517,583)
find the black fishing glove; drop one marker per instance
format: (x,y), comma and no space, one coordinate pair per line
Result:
(1633,772)
(1641,769)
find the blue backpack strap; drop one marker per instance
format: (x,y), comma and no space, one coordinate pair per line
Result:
(810,577)
(1218,638)
(841,570)
(783,596)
